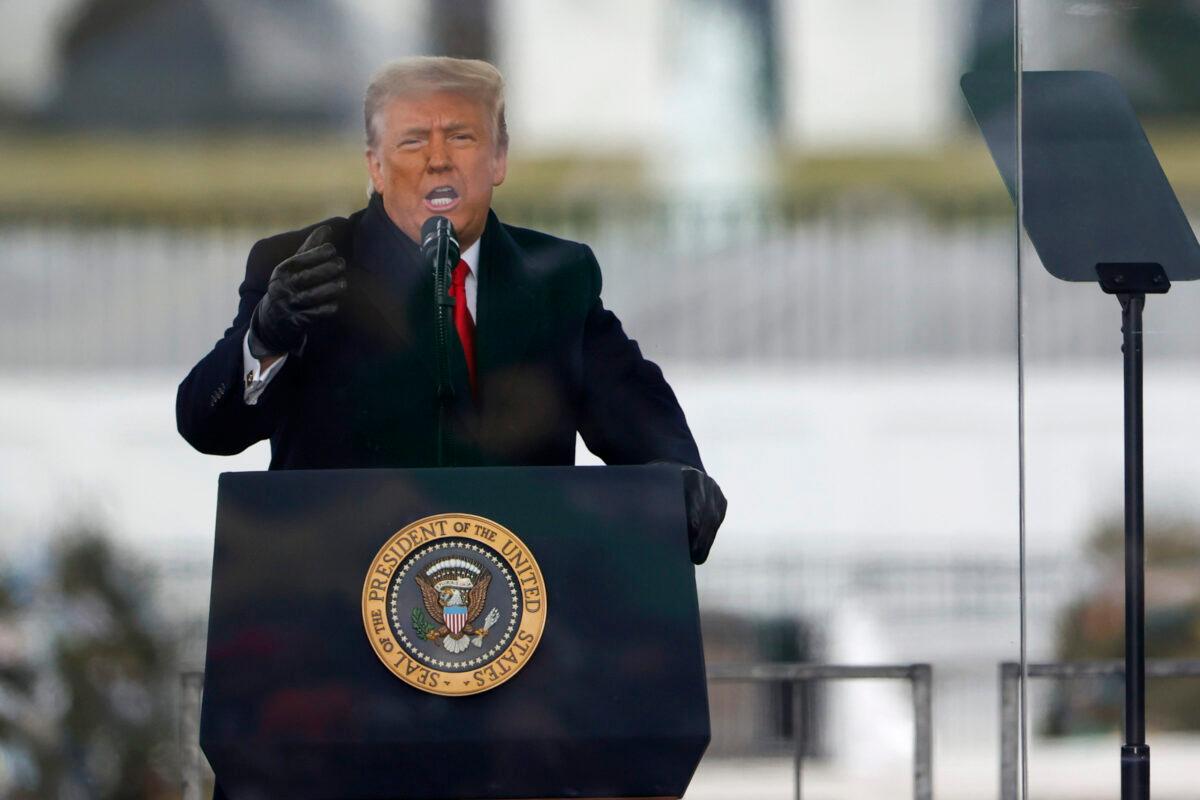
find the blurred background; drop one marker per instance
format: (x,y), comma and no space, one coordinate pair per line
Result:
(796,217)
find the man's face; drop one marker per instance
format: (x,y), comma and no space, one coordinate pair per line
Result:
(437,154)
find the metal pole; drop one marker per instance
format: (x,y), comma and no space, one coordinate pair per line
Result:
(1135,754)
(797,735)
(1010,744)
(191,688)
(922,685)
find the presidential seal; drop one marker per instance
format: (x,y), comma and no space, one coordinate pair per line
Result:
(454,604)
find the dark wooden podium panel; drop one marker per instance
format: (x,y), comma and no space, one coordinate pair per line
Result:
(612,703)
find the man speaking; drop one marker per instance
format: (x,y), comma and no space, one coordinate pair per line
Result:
(334,353)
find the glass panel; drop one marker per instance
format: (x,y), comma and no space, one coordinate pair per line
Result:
(795,215)
(1072,333)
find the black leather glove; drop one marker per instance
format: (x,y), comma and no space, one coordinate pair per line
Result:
(301,288)
(705,504)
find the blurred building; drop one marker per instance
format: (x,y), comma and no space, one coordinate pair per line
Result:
(614,76)
(195,64)
(796,71)
(183,64)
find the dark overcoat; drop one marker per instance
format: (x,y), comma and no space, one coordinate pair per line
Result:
(551,361)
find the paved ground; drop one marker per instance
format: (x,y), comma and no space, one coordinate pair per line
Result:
(1084,769)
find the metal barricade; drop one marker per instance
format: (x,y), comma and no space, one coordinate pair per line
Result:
(1010,703)
(920,675)
(194,767)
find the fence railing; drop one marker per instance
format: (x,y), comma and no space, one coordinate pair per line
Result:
(1010,710)
(919,675)
(193,765)
(866,285)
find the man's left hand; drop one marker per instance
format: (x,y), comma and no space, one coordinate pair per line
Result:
(705,505)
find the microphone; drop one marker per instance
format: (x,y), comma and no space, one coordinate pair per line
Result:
(439,243)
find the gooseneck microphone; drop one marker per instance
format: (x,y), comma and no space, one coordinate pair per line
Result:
(439,244)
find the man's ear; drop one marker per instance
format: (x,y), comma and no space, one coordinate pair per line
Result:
(500,167)
(375,169)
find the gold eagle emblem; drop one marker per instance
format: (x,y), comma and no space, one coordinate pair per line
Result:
(454,593)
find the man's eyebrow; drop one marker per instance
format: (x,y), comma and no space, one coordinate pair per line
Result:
(453,126)
(416,130)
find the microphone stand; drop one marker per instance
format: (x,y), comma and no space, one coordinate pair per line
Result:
(439,232)
(443,307)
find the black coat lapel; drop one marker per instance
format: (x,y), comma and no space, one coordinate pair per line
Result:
(508,310)
(399,284)
(396,281)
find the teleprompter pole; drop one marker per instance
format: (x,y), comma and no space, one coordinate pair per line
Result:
(1135,753)
(1131,282)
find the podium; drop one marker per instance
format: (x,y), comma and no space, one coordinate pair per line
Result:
(467,633)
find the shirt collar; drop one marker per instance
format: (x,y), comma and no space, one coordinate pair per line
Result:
(471,256)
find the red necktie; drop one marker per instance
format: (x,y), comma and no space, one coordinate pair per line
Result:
(462,319)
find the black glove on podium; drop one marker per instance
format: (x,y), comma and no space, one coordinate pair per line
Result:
(705,504)
(302,288)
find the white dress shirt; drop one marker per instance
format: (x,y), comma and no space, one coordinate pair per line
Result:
(257,378)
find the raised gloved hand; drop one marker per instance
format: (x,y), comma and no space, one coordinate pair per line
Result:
(301,289)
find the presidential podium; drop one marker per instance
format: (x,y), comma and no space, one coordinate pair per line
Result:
(467,633)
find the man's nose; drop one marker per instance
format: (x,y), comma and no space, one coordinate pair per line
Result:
(439,156)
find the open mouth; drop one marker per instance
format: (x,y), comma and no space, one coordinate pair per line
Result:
(443,198)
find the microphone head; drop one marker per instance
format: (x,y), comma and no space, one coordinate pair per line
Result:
(433,232)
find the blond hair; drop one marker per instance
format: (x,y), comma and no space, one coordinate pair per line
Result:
(426,74)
